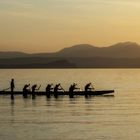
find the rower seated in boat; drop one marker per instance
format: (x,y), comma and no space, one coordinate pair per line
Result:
(48,89)
(26,90)
(71,89)
(57,88)
(89,87)
(34,89)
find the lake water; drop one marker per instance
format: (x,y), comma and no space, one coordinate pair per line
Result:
(80,118)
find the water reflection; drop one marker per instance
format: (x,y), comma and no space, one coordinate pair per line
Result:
(77,118)
(26,102)
(12,102)
(72,100)
(34,103)
(93,116)
(12,107)
(12,120)
(109,96)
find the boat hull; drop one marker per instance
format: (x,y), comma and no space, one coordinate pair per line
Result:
(96,93)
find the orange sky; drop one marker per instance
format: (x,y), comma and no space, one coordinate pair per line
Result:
(50,25)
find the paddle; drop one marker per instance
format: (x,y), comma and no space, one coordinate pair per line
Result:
(78,88)
(39,87)
(92,87)
(62,88)
(5,89)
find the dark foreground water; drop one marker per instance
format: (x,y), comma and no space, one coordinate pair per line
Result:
(80,118)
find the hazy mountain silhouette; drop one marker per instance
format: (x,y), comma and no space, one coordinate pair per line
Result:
(120,50)
(36,63)
(125,54)
(12,54)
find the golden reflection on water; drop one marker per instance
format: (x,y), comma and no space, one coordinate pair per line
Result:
(105,117)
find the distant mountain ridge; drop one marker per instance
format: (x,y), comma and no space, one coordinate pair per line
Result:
(119,50)
(120,55)
(12,54)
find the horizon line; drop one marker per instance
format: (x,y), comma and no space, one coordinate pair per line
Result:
(92,45)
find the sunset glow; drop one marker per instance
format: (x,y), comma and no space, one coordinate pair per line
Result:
(50,25)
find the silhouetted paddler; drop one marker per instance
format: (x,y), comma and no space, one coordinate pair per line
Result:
(26,90)
(12,86)
(71,89)
(34,88)
(48,90)
(56,89)
(88,87)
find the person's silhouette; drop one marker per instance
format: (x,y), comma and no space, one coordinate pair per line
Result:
(34,88)
(26,90)
(56,89)
(71,89)
(12,86)
(48,90)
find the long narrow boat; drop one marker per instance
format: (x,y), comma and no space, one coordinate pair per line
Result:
(96,92)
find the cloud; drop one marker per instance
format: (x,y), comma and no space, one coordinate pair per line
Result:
(119,2)
(15,3)
(20,9)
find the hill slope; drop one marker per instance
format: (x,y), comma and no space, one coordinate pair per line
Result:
(121,55)
(119,50)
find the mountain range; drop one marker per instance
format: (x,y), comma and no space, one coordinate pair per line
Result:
(120,55)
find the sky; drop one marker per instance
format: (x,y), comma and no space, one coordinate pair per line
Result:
(50,25)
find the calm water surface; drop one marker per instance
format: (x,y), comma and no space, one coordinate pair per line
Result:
(98,118)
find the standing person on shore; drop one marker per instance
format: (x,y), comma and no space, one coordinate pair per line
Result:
(12,86)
